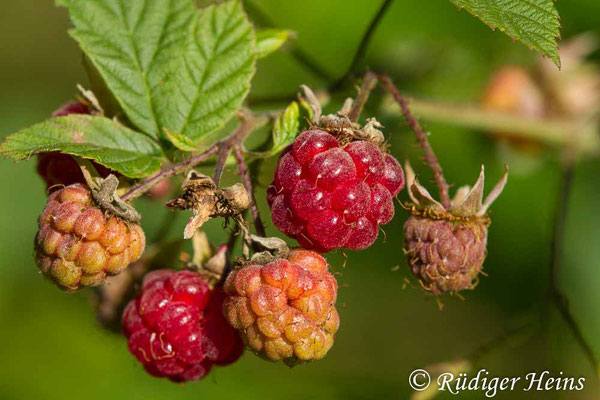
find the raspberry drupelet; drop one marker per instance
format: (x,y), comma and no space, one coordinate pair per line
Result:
(176,328)
(285,310)
(329,196)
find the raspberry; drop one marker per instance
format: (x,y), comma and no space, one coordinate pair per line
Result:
(77,245)
(61,169)
(285,310)
(444,256)
(446,246)
(176,328)
(329,196)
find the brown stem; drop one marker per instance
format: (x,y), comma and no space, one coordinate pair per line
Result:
(303,58)
(243,170)
(430,156)
(222,147)
(368,83)
(361,51)
(222,155)
(226,145)
(144,185)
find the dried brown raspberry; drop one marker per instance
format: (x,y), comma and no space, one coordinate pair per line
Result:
(446,248)
(285,310)
(78,244)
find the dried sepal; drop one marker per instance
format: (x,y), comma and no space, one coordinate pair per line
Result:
(339,124)
(493,195)
(272,249)
(313,103)
(472,202)
(420,196)
(104,192)
(201,195)
(467,202)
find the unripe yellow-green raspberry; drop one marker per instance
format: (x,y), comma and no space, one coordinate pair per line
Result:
(78,244)
(284,310)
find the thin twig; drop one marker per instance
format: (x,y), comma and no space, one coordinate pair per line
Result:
(557,250)
(145,185)
(312,65)
(243,170)
(523,331)
(303,58)
(551,131)
(226,145)
(238,136)
(368,83)
(430,156)
(361,51)
(222,155)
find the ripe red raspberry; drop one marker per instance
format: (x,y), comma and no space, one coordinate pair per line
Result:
(61,169)
(327,196)
(445,256)
(285,310)
(176,327)
(78,244)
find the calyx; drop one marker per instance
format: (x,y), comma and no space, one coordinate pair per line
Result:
(339,124)
(467,203)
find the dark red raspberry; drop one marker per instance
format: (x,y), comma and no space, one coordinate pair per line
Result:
(285,310)
(61,169)
(72,107)
(176,328)
(78,244)
(327,196)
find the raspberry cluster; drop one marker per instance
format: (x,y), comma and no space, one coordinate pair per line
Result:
(446,257)
(285,310)
(176,329)
(61,169)
(327,196)
(77,245)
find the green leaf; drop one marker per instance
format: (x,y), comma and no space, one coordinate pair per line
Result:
(98,138)
(213,76)
(132,44)
(533,22)
(285,131)
(270,40)
(286,128)
(180,141)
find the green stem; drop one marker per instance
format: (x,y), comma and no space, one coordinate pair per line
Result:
(559,299)
(555,132)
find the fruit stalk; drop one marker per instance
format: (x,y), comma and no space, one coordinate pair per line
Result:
(221,147)
(259,226)
(227,145)
(368,83)
(145,185)
(430,156)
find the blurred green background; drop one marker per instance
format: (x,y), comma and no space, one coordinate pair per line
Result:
(53,348)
